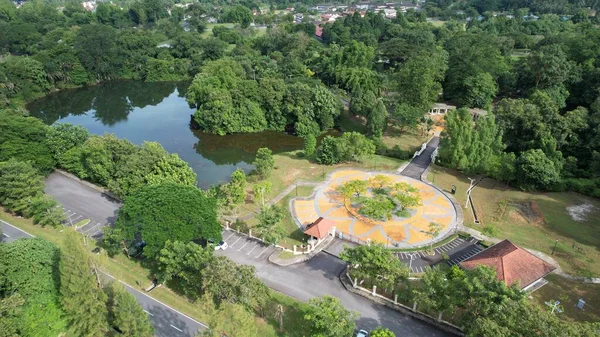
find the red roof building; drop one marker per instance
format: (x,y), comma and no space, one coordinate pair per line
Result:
(320,228)
(318,31)
(512,264)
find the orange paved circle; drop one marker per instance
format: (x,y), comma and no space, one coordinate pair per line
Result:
(402,232)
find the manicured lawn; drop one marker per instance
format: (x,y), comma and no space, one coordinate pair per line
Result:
(209,27)
(130,271)
(568,293)
(409,139)
(532,220)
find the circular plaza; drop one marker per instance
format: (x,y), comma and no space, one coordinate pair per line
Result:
(408,228)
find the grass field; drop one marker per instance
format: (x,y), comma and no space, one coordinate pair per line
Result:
(130,271)
(532,220)
(569,292)
(409,139)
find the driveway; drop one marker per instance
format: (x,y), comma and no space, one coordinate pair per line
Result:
(420,163)
(80,202)
(317,277)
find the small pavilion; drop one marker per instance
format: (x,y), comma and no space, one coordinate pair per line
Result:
(319,230)
(441,108)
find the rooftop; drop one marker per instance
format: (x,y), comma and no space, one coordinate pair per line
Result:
(512,264)
(320,228)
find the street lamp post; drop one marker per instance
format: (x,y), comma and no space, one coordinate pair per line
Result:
(553,248)
(412,256)
(469,192)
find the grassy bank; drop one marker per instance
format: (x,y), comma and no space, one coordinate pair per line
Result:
(533,220)
(131,272)
(569,292)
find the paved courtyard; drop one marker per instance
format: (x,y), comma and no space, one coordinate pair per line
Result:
(407,231)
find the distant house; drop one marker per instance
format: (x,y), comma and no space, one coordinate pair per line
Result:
(513,265)
(318,31)
(441,108)
(320,229)
(477,113)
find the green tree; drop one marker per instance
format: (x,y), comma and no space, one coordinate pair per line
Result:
(381,332)
(377,119)
(82,300)
(264,162)
(239,14)
(535,170)
(479,89)
(10,315)
(96,48)
(63,137)
(230,318)
(227,281)
(126,314)
(260,190)
(269,224)
(406,116)
(157,214)
(433,231)
(45,211)
(172,169)
(328,317)
(236,189)
(184,262)
(19,184)
(310,145)
(375,261)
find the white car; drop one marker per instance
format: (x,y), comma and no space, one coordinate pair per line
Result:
(221,246)
(362,333)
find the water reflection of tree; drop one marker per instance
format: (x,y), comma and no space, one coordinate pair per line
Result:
(112,101)
(242,147)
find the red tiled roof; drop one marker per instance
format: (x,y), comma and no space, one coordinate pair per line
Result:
(320,228)
(511,263)
(318,31)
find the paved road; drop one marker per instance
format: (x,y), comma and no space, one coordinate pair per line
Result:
(317,277)
(420,163)
(167,321)
(82,202)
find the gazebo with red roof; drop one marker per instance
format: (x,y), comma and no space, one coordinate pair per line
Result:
(512,264)
(320,228)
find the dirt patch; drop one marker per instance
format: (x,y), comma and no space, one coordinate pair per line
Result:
(580,212)
(527,212)
(291,176)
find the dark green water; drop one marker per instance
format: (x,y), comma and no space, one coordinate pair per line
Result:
(158,112)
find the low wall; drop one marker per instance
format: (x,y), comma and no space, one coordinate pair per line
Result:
(442,325)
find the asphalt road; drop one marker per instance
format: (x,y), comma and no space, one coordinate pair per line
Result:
(167,321)
(82,202)
(420,163)
(317,277)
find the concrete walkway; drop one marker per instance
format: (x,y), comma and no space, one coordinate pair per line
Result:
(420,163)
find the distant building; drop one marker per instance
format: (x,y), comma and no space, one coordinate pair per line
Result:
(441,108)
(513,265)
(318,31)
(89,5)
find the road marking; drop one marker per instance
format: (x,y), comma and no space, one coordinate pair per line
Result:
(176,328)
(232,234)
(148,312)
(236,241)
(252,249)
(244,245)
(150,297)
(19,229)
(261,253)
(77,218)
(6,235)
(89,229)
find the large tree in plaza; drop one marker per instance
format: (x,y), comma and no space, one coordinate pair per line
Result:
(158,213)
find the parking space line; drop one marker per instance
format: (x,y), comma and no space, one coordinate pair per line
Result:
(236,241)
(6,235)
(252,249)
(261,253)
(148,312)
(229,237)
(176,328)
(244,245)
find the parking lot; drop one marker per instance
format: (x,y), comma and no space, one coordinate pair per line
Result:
(239,244)
(457,250)
(81,202)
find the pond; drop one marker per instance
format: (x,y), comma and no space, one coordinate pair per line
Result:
(140,111)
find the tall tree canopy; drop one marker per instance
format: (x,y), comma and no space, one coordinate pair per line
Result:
(158,213)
